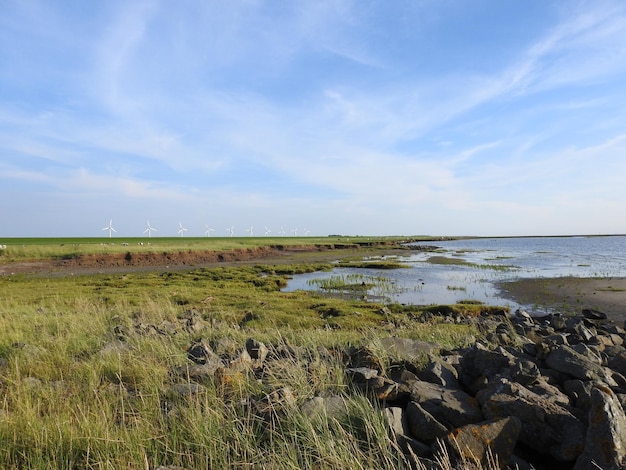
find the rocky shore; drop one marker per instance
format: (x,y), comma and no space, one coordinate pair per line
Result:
(537,393)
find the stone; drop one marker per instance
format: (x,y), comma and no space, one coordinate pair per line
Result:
(333,406)
(524,372)
(422,425)
(593,314)
(201,353)
(605,445)
(363,357)
(480,362)
(451,407)
(257,350)
(618,362)
(484,443)
(547,428)
(439,372)
(406,349)
(565,359)
(398,428)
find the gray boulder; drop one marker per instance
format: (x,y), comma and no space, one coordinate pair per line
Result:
(483,443)
(565,359)
(451,407)
(422,425)
(547,428)
(605,446)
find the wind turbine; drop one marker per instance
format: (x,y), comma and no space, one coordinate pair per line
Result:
(306,232)
(149,230)
(231,230)
(282,232)
(295,232)
(250,230)
(208,230)
(182,229)
(110,228)
(267,231)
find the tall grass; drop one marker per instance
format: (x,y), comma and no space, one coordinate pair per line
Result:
(89,367)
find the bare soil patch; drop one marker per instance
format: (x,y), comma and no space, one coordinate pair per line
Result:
(572,294)
(192,259)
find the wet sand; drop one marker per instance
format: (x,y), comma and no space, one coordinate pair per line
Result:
(571,295)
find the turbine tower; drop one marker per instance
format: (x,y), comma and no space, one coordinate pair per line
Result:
(267,231)
(231,230)
(249,230)
(208,230)
(149,230)
(282,232)
(110,228)
(295,232)
(182,229)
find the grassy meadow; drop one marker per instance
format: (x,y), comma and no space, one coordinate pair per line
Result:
(89,367)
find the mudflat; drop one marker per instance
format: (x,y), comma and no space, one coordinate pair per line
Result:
(571,294)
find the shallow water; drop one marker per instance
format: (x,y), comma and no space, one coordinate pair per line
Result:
(492,260)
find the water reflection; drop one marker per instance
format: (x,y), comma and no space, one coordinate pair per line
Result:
(482,264)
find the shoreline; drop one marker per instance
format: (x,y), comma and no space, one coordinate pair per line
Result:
(570,294)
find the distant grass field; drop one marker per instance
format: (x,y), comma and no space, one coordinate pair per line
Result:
(55,248)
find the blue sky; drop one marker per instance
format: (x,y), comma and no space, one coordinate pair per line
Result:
(363,117)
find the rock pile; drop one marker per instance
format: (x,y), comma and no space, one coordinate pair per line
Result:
(544,392)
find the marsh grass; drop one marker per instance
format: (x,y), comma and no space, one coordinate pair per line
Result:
(87,366)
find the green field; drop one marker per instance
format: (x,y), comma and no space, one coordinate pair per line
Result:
(56,248)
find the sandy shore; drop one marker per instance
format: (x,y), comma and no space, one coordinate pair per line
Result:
(569,294)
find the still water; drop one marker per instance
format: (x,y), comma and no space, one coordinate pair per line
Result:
(489,261)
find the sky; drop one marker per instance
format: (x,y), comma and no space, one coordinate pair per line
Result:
(353,117)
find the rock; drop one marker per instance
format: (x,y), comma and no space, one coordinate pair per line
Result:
(605,445)
(363,357)
(524,372)
(333,406)
(593,314)
(451,407)
(479,364)
(398,429)
(550,392)
(483,443)
(439,372)
(199,372)
(274,404)
(565,359)
(422,425)
(579,393)
(383,388)
(405,349)
(618,362)
(547,427)
(361,374)
(201,353)
(257,350)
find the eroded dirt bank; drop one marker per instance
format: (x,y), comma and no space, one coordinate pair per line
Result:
(191,259)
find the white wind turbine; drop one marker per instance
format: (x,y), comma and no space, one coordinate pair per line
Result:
(150,229)
(250,230)
(306,232)
(267,231)
(295,232)
(182,229)
(282,232)
(231,230)
(208,230)
(110,228)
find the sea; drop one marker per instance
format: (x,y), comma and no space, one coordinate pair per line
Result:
(475,267)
